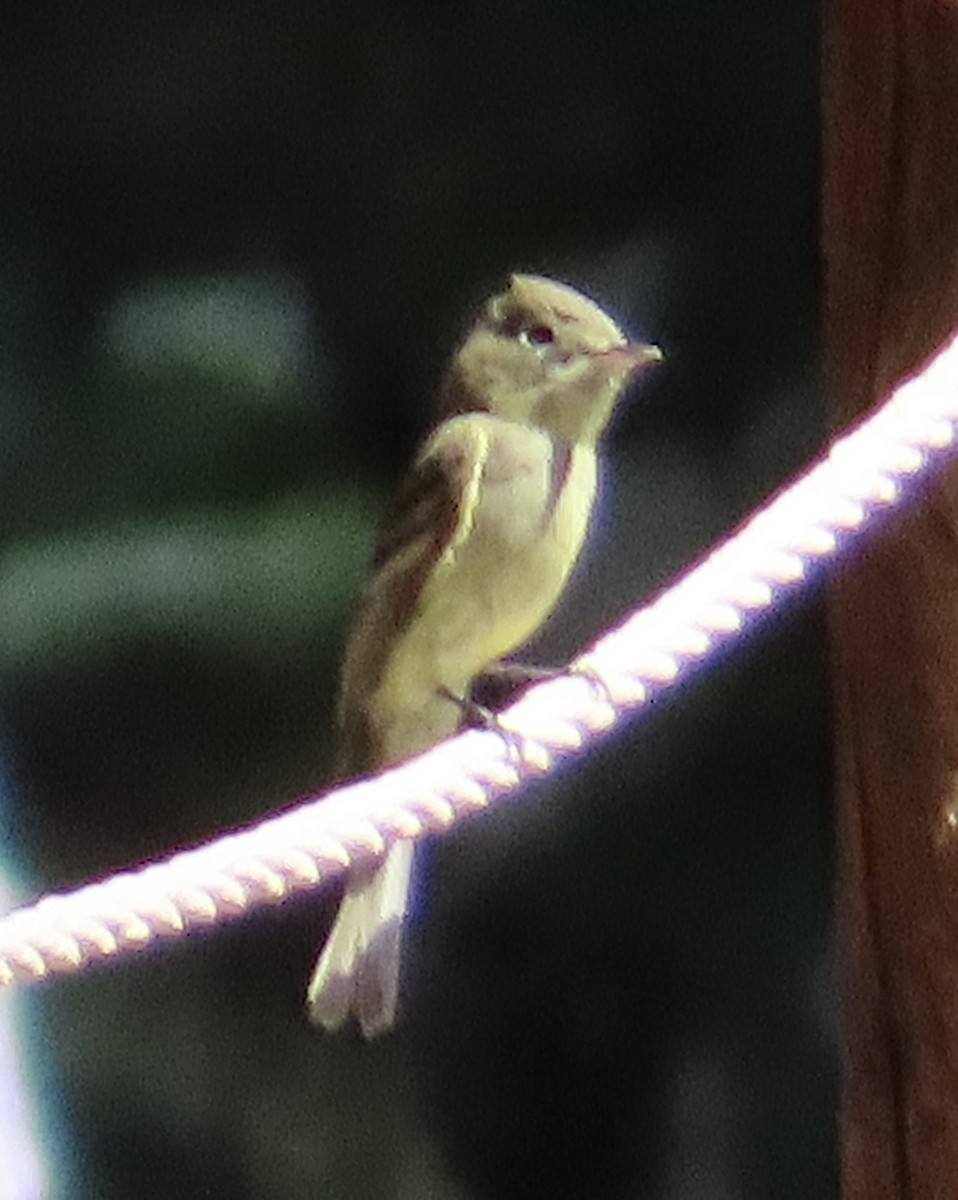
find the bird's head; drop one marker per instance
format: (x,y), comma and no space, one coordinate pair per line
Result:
(543,354)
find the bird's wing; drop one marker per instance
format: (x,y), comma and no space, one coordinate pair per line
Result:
(432,513)
(432,508)
(430,516)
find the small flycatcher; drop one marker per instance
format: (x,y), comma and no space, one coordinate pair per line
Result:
(470,560)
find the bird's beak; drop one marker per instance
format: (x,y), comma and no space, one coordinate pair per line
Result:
(632,357)
(640,355)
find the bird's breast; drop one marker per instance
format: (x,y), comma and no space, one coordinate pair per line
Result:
(502,577)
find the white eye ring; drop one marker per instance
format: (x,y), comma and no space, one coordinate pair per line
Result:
(538,338)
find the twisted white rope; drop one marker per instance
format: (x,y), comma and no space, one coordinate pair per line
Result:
(323,837)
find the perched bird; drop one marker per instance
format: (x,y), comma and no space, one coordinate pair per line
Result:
(470,560)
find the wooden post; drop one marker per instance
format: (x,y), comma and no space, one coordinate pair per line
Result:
(890,235)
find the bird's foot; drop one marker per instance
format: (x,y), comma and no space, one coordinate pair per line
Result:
(499,685)
(474,714)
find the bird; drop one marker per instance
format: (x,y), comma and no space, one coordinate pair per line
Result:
(471,558)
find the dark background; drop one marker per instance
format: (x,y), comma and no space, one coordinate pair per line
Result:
(236,242)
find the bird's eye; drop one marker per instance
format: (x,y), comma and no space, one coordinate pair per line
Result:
(538,335)
(515,325)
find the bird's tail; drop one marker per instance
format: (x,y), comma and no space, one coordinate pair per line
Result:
(358,971)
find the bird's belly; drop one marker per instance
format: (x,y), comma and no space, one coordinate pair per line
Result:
(508,578)
(488,595)
(464,634)
(498,610)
